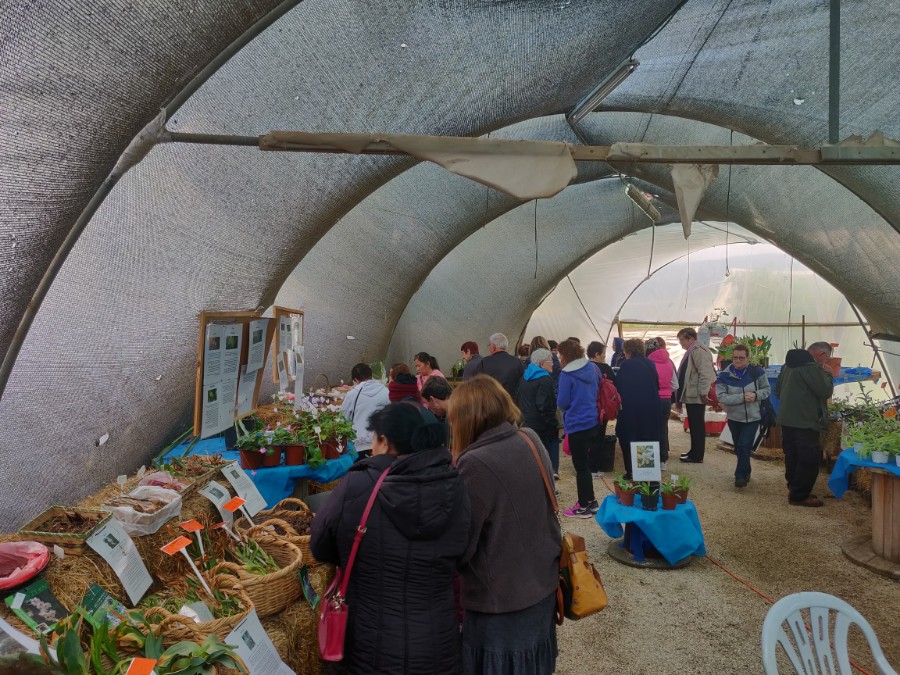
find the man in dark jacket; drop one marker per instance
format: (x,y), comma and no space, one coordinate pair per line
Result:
(503,367)
(403,617)
(537,401)
(804,386)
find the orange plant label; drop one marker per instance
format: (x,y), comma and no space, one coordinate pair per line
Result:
(141,666)
(175,545)
(191,525)
(233,505)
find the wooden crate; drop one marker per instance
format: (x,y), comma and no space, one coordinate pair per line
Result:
(71,544)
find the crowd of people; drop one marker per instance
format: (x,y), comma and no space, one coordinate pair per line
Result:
(458,569)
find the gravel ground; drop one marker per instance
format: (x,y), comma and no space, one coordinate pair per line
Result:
(701,620)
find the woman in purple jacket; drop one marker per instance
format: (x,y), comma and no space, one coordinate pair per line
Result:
(577,398)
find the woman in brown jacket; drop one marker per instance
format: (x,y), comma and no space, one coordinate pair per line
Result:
(510,570)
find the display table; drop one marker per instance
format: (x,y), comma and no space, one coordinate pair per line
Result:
(677,534)
(847,375)
(277,482)
(879,552)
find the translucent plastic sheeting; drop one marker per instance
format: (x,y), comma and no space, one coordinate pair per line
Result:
(764,286)
(604,282)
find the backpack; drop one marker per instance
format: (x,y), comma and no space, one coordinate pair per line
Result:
(609,403)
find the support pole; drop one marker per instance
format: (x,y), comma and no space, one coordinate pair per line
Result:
(877,351)
(803,331)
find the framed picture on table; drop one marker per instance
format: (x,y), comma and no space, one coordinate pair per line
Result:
(645,461)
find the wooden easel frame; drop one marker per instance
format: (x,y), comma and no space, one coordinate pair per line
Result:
(277,313)
(243,318)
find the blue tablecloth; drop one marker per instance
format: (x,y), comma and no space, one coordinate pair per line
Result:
(277,482)
(848,462)
(675,534)
(847,376)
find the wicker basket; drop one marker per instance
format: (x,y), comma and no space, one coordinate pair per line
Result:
(275,592)
(279,520)
(315,487)
(176,628)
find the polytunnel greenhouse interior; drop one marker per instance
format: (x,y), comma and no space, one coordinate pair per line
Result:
(374,181)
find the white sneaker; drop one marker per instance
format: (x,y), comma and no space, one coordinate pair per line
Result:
(597,474)
(556,476)
(664,466)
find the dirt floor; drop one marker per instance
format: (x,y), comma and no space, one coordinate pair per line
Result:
(699,619)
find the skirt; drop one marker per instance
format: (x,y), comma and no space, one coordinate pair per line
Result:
(514,643)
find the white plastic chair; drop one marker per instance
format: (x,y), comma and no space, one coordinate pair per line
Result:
(811,652)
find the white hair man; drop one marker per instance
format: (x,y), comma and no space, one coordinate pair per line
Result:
(502,366)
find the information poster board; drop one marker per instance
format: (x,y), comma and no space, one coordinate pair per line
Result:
(231,353)
(289,335)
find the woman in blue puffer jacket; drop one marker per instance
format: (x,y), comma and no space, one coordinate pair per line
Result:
(740,388)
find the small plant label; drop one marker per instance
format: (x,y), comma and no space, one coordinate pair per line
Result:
(141,666)
(180,545)
(237,503)
(17,601)
(58,551)
(195,527)
(175,545)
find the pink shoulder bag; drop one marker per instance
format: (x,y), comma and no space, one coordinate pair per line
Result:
(334,608)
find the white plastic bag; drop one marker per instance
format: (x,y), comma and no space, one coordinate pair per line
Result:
(165,480)
(139,524)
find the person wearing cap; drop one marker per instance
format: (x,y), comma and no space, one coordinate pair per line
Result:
(404,615)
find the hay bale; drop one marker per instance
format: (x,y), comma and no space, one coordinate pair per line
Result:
(294,631)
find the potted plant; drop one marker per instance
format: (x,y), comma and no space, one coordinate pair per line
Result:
(248,446)
(625,490)
(669,496)
(334,432)
(295,451)
(271,453)
(649,496)
(681,490)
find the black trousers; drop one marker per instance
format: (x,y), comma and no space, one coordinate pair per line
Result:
(802,457)
(696,414)
(596,453)
(580,444)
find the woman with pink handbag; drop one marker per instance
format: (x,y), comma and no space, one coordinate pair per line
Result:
(396,525)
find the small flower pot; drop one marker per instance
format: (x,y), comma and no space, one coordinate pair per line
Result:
(681,496)
(250,458)
(859,449)
(330,450)
(272,456)
(879,457)
(626,498)
(897,459)
(649,502)
(835,364)
(294,454)
(669,501)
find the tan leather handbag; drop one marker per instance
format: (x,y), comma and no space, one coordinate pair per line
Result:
(580,591)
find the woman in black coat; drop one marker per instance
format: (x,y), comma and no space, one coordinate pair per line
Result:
(537,401)
(638,385)
(402,616)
